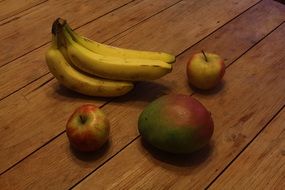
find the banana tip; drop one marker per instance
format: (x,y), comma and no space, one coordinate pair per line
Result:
(59,22)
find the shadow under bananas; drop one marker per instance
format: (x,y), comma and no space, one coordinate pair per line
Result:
(66,92)
(145,91)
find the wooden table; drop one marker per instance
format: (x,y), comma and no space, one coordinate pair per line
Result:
(247,150)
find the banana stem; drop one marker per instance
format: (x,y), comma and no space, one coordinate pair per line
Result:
(70,31)
(54,42)
(60,35)
(66,36)
(56,32)
(54,27)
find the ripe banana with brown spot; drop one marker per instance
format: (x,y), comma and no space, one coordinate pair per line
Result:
(108,50)
(68,76)
(113,67)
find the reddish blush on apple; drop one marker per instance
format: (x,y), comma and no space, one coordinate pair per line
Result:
(88,128)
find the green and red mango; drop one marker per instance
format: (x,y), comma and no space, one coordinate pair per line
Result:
(176,123)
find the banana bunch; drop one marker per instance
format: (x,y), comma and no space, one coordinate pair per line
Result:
(96,69)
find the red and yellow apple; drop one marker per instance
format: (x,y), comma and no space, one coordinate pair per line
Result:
(88,128)
(205,70)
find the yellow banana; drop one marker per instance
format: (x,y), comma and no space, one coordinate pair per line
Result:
(77,81)
(114,67)
(108,50)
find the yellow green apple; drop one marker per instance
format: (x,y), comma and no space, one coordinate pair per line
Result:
(205,70)
(88,128)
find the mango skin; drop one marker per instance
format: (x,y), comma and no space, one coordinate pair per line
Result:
(176,123)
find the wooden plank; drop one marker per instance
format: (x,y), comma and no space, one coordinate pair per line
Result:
(240,110)
(31,29)
(13,7)
(261,165)
(21,146)
(173,28)
(123,129)
(33,65)
(123,19)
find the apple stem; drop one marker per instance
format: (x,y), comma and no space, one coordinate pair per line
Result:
(83,119)
(205,55)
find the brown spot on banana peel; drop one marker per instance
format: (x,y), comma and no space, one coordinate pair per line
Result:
(157,66)
(61,77)
(88,40)
(144,65)
(151,66)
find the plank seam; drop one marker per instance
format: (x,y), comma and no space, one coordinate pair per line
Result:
(258,42)
(24,54)
(26,9)
(247,145)
(142,21)
(43,145)
(74,28)
(45,82)
(12,19)
(105,161)
(219,28)
(104,14)
(26,85)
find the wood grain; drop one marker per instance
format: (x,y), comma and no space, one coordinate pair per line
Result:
(188,24)
(33,64)
(261,165)
(123,19)
(238,116)
(243,38)
(33,116)
(54,99)
(31,29)
(56,157)
(9,8)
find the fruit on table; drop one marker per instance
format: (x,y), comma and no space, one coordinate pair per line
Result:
(114,67)
(88,128)
(95,69)
(205,70)
(61,67)
(109,65)
(108,50)
(176,123)
(71,78)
